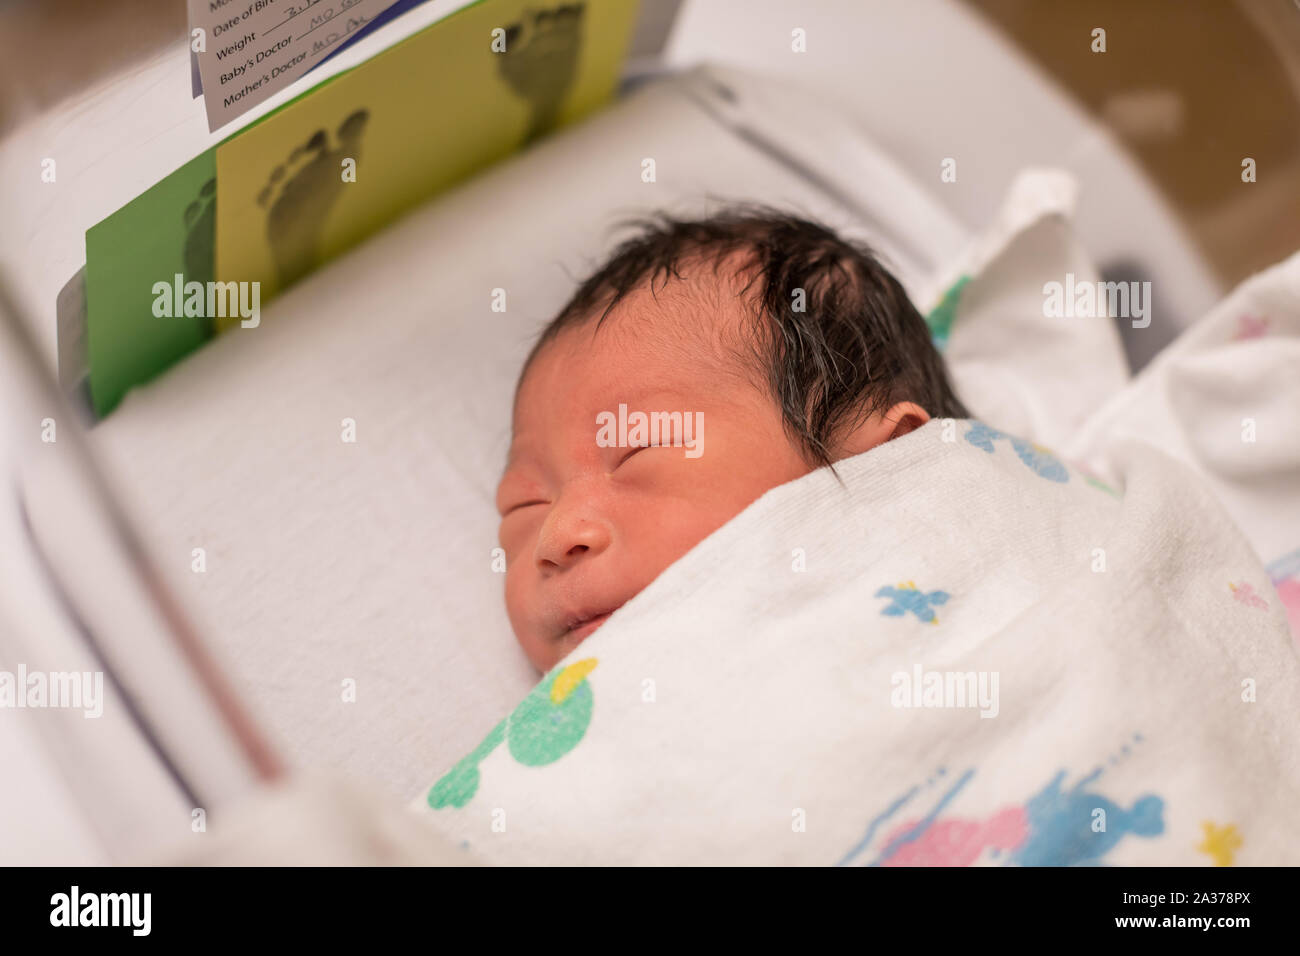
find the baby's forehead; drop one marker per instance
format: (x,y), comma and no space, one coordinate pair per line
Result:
(680,341)
(703,316)
(633,361)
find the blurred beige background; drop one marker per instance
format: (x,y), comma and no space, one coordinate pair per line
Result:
(1192,87)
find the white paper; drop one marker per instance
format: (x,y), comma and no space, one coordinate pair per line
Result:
(255,48)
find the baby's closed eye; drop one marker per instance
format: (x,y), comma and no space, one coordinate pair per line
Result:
(633,451)
(518,492)
(636,450)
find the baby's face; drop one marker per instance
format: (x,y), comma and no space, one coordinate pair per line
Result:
(586,523)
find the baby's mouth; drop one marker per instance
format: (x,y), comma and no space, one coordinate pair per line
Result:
(580,627)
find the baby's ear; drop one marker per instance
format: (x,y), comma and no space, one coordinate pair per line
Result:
(907,417)
(875,430)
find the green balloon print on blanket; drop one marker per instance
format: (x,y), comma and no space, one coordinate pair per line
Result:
(546,725)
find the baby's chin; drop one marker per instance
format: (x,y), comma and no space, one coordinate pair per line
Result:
(545,653)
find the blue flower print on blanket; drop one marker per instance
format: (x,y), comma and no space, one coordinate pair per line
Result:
(906,597)
(1037,458)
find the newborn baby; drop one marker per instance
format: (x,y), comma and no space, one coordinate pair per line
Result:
(705,363)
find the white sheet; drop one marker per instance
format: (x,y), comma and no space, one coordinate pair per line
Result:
(1225,399)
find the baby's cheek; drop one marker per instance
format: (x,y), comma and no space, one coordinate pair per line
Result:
(667,532)
(677,522)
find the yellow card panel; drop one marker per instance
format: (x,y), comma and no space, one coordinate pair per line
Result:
(415,119)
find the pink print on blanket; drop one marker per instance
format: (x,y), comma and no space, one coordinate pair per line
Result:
(1285,574)
(957,842)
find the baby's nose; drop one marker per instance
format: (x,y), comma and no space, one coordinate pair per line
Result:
(566,539)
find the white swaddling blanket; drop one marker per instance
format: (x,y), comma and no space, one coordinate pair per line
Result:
(970,652)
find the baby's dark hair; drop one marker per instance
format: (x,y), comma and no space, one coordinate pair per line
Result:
(856,348)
